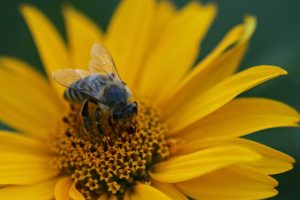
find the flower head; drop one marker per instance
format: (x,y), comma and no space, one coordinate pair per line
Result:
(186,142)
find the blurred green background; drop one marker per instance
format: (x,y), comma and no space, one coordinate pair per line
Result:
(276,42)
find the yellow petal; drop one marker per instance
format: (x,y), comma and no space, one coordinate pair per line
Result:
(27,103)
(39,191)
(49,44)
(272,162)
(164,12)
(12,142)
(203,104)
(34,82)
(19,120)
(248,114)
(129,35)
(170,190)
(218,65)
(175,50)
(145,192)
(75,194)
(82,34)
(21,168)
(62,188)
(230,184)
(26,73)
(185,167)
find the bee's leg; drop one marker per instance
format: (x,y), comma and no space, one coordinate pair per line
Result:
(110,122)
(132,128)
(85,113)
(98,121)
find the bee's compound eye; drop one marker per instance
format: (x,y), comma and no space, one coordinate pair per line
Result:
(134,107)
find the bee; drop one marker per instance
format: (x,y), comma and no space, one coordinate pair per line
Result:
(102,86)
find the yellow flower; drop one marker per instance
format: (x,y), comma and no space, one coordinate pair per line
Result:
(189,123)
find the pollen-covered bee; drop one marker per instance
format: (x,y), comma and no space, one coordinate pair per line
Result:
(102,86)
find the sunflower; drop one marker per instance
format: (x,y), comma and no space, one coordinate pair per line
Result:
(188,140)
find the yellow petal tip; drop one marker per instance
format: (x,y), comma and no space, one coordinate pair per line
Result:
(212,5)
(23,8)
(250,18)
(280,71)
(283,71)
(250,23)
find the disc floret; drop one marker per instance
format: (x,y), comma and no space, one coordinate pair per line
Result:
(114,161)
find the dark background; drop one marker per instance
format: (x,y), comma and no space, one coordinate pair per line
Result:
(276,42)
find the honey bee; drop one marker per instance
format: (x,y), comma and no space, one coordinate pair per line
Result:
(100,85)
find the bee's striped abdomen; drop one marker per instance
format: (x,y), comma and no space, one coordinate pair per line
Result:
(74,96)
(92,85)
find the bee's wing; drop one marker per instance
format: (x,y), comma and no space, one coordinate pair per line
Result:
(102,62)
(67,78)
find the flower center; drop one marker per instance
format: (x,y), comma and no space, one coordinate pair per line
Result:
(113,161)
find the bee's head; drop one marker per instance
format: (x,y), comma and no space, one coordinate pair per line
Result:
(128,111)
(116,96)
